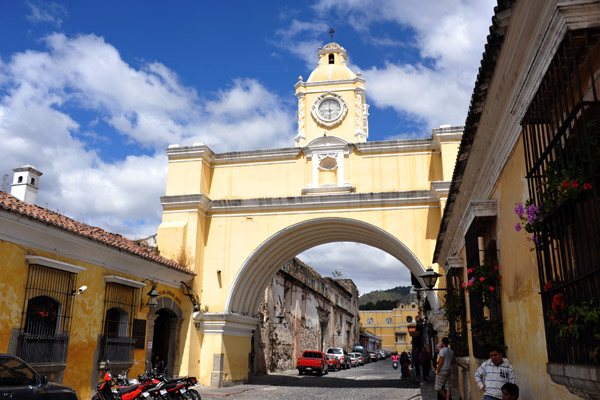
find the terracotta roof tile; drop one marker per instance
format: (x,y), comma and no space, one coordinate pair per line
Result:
(11,204)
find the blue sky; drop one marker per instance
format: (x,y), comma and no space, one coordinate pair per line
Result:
(92,93)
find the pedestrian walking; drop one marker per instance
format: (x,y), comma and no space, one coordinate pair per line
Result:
(443,378)
(497,371)
(426,363)
(416,359)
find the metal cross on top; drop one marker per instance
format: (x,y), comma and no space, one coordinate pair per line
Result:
(331,32)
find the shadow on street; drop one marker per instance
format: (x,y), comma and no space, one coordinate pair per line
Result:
(332,382)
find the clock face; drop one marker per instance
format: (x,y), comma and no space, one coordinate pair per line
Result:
(329,109)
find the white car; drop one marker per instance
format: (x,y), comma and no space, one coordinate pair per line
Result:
(359,359)
(353,359)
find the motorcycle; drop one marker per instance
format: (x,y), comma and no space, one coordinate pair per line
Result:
(395,364)
(146,387)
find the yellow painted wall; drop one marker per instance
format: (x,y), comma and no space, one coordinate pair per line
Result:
(88,309)
(387,331)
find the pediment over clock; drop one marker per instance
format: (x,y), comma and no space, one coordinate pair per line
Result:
(329,144)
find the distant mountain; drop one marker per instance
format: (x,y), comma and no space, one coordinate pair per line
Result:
(382,299)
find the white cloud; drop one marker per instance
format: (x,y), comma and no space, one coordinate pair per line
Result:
(369,268)
(418,92)
(42,93)
(41,11)
(304,48)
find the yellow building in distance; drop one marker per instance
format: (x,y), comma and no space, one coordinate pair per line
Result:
(393,325)
(240,216)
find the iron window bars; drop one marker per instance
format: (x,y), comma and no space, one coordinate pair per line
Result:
(119,311)
(47,315)
(481,250)
(561,135)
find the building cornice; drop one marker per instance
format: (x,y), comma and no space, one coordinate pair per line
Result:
(204,153)
(355,200)
(302,84)
(396,146)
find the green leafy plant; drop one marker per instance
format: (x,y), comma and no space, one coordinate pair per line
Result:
(488,332)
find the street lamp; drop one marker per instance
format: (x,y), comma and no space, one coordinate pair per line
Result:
(430,277)
(152,294)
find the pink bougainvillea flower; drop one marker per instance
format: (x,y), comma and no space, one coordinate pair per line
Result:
(499,276)
(470,283)
(492,288)
(496,268)
(574,184)
(548,286)
(481,279)
(520,210)
(587,186)
(463,284)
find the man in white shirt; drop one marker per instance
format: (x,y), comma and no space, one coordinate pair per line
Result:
(497,371)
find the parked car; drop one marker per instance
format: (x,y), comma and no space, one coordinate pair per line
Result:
(333,363)
(341,355)
(18,380)
(353,360)
(360,349)
(360,360)
(312,361)
(372,356)
(380,354)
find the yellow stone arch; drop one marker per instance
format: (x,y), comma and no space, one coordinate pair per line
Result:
(255,274)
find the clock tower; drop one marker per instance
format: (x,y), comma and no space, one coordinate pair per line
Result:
(332,101)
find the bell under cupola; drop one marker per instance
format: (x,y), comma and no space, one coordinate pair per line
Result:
(332,100)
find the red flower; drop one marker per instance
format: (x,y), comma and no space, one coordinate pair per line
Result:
(499,276)
(570,321)
(496,268)
(492,288)
(463,284)
(587,186)
(548,286)
(566,183)
(481,279)
(470,270)
(552,317)
(470,283)
(574,184)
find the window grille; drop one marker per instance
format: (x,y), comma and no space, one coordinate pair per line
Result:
(486,327)
(47,315)
(561,135)
(119,311)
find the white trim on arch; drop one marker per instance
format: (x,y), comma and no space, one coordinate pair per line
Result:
(253,277)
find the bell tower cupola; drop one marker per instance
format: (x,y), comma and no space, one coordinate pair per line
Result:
(332,101)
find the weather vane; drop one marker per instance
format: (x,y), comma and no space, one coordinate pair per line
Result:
(331,32)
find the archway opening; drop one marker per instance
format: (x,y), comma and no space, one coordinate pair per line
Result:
(164,340)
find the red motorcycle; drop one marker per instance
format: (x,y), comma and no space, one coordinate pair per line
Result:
(145,388)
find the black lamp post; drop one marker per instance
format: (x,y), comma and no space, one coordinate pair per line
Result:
(430,278)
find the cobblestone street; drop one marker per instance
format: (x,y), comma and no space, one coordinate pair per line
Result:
(375,380)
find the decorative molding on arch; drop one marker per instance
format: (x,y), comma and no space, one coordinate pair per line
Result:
(226,324)
(168,303)
(254,275)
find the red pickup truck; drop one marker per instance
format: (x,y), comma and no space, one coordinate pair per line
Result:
(312,361)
